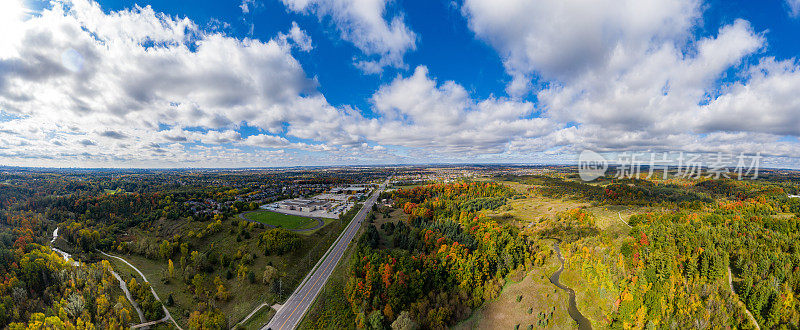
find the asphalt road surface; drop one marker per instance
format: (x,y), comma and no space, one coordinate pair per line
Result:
(292,311)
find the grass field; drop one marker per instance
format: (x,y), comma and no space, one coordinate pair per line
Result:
(281,220)
(611,220)
(259,319)
(524,211)
(534,293)
(245,296)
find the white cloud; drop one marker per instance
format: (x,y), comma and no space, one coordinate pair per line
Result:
(656,91)
(363,23)
(245,5)
(266,141)
(560,39)
(622,77)
(12,14)
(298,37)
(218,137)
(766,102)
(279,142)
(419,113)
(794,7)
(77,73)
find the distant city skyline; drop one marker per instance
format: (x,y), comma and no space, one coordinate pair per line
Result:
(274,83)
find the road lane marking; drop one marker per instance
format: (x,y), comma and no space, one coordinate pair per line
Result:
(325,271)
(339,248)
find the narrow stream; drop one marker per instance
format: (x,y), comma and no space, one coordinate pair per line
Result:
(583,322)
(62,253)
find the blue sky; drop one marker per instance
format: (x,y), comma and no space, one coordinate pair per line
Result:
(126,83)
(444,44)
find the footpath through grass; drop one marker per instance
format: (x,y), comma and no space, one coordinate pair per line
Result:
(244,295)
(281,220)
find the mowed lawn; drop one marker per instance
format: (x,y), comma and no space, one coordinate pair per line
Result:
(281,220)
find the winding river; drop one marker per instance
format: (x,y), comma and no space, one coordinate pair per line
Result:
(62,253)
(583,322)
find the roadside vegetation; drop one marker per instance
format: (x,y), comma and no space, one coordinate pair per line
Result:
(329,310)
(209,267)
(638,254)
(661,253)
(225,266)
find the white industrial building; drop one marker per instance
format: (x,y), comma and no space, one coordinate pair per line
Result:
(304,205)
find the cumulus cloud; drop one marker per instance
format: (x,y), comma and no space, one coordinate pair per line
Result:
(418,112)
(651,101)
(560,39)
(767,99)
(134,71)
(363,24)
(266,141)
(635,77)
(656,91)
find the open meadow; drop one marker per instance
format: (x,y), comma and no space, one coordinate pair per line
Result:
(281,220)
(231,256)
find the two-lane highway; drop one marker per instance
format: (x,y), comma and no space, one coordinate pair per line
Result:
(290,314)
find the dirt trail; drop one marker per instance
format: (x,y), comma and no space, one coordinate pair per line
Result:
(166,311)
(749,315)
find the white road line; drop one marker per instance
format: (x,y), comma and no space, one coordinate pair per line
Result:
(291,313)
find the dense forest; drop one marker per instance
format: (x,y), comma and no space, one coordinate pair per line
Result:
(672,268)
(439,265)
(669,269)
(164,217)
(692,253)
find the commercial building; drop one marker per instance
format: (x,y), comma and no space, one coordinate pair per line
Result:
(304,205)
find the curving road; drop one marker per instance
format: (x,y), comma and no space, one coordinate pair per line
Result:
(124,287)
(292,311)
(623,221)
